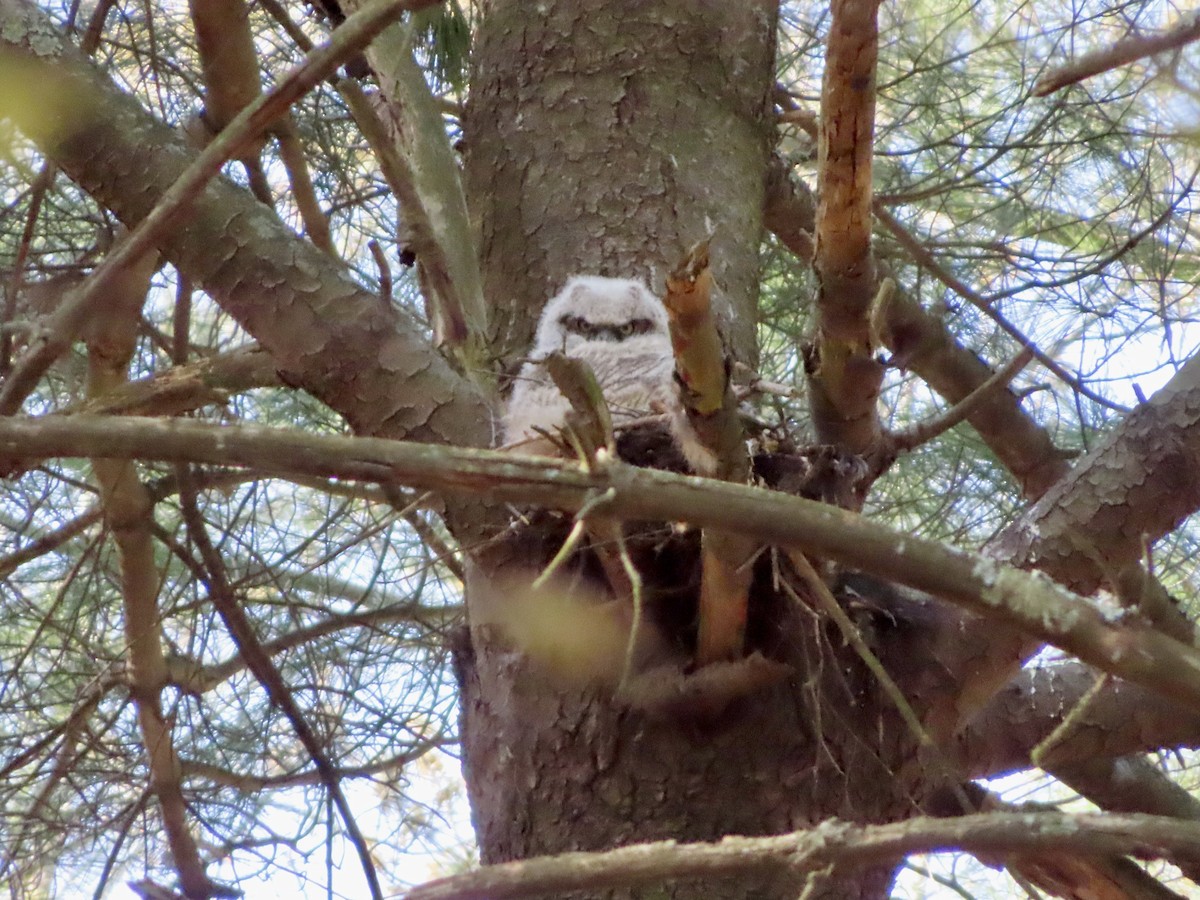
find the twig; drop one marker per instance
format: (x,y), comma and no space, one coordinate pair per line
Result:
(385,271)
(924,432)
(574,537)
(891,690)
(48,542)
(264,670)
(1070,723)
(291,153)
(635,596)
(925,260)
(16,277)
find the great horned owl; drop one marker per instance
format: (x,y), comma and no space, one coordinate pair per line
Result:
(620,329)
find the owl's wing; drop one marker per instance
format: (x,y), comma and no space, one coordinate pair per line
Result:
(535,403)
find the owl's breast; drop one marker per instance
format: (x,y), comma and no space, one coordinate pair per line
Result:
(635,377)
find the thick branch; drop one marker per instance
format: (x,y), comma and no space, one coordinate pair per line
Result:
(1123,719)
(1092,755)
(844,377)
(1137,485)
(829,844)
(922,343)
(1028,603)
(1095,526)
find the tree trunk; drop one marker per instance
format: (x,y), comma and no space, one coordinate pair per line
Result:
(605,138)
(552,767)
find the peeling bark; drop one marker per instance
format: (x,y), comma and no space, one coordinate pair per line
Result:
(616,176)
(955,662)
(923,344)
(846,146)
(844,377)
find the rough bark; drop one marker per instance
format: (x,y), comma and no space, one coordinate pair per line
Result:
(364,358)
(1093,527)
(950,651)
(1122,719)
(1088,739)
(1133,488)
(552,768)
(609,138)
(621,171)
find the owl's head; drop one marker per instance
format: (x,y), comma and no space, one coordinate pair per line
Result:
(592,308)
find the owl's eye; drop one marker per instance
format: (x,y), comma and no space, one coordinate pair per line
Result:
(576,324)
(641,326)
(627,330)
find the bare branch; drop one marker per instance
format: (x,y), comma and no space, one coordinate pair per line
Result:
(921,342)
(1030,604)
(1119,54)
(843,375)
(830,843)
(925,432)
